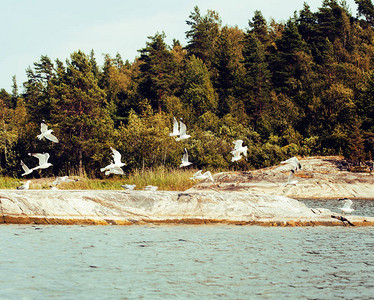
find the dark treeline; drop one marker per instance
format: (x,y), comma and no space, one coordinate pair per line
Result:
(303,87)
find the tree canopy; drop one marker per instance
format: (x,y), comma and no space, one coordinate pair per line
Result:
(300,87)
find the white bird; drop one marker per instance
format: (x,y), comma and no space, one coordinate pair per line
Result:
(291,178)
(53,188)
(199,175)
(239,148)
(25,186)
(347,206)
(43,160)
(175,128)
(293,162)
(26,169)
(182,132)
(46,133)
(115,170)
(63,179)
(185,161)
(115,164)
(151,188)
(237,156)
(128,186)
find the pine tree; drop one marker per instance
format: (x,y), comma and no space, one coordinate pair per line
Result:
(257,79)
(156,71)
(203,35)
(80,117)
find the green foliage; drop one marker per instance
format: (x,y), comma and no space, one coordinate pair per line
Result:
(302,87)
(198,89)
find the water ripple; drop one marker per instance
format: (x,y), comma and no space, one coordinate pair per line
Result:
(230,262)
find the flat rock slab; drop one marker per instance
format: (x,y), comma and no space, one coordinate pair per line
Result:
(145,207)
(319,178)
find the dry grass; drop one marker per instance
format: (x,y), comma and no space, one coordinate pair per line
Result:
(165,179)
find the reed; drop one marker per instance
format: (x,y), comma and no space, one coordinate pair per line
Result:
(165,179)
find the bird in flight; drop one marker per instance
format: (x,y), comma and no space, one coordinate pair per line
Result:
(185,161)
(182,132)
(43,160)
(26,169)
(293,162)
(46,133)
(175,128)
(347,206)
(115,166)
(199,175)
(25,186)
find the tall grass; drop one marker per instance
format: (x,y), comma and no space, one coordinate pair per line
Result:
(165,179)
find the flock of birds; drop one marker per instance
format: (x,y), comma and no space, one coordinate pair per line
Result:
(180,133)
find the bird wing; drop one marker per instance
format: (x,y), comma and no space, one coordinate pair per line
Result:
(43,127)
(347,203)
(238,144)
(46,157)
(117,170)
(42,158)
(182,128)
(175,127)
(209,175)
(289,161)
(116,156)
(185,156)
(51,137)
(293,161)
(197,173)
(24,167)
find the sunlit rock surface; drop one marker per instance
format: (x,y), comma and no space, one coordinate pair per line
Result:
(319,178)
(142,207)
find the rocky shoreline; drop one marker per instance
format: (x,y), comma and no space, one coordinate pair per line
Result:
(261,197)
(319,178)
(141,207)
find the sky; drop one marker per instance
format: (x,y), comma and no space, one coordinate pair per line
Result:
(32,28)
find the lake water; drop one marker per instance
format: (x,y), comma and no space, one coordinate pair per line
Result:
(187,262)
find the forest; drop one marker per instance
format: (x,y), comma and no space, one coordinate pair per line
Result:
(302,87)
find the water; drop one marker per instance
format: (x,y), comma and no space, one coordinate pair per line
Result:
(194,262)
(362,207)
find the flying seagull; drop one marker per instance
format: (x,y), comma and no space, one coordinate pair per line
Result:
(43,160)
(115,170)
(62,179)
(175,128)
(26,169)
(128,186)
(185,161)
(199,175)
(239,148)
(182,132)
(115,164)
(46,133)
(151,188)
(25,186)
(293,162)
(347,206)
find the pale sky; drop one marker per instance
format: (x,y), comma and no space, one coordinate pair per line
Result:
(31,28)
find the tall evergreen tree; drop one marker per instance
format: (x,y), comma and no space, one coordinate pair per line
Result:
(156,76)
(257,81)
(198,93)
(203,35)
(81,118)
(227,64)
(366,8)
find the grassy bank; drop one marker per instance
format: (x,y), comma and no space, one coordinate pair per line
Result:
(165,179)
